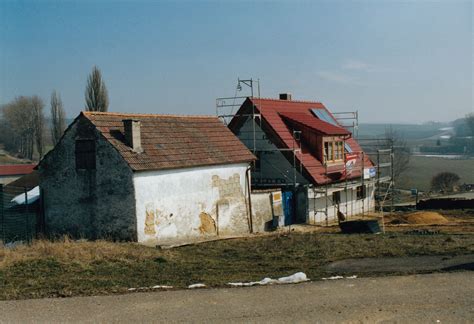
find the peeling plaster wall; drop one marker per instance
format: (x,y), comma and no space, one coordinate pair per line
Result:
(265,206)
(349,205)
(175,205)
(87,203)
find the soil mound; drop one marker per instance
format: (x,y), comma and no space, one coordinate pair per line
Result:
(426,218)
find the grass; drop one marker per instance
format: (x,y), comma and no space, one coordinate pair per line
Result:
(422,169)
(67,268)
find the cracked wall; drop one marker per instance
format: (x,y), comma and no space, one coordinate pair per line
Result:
(180,205)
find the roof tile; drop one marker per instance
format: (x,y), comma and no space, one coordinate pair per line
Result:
(171,141)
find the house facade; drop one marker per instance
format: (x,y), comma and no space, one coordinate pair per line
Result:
(302,149)
(148,178)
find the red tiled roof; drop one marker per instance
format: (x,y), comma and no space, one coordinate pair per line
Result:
(16,169)
(171,141)
(316,124)
(272,110)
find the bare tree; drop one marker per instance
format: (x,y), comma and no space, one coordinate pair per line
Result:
(97,98)
(444,181)
(393,140)
(24,120)
(58,117)
(37,106)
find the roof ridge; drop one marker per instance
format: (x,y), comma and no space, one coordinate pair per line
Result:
(280,100)
(90,113)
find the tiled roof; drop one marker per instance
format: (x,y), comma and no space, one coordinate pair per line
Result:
(171,141)
(16,169)
(272,110)
(315,124)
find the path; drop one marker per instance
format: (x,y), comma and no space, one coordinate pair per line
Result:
(433,298)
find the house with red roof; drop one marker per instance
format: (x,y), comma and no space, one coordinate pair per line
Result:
(155,179)
(12,172)
(302,149)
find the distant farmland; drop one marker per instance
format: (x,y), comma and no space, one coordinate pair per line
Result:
(422,169)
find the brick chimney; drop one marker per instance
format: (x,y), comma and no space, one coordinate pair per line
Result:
(285,96)
(132,134)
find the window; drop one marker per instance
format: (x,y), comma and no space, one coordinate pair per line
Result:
(324,116)
(334,151)
(85,155)
(361,192)
(336,197)
(348,148)
(258,165)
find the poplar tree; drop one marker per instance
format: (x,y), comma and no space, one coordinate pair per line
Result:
(97,98)
(58,117)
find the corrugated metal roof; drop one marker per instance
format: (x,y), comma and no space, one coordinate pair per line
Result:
(16,169)
(173,141)
(272,110)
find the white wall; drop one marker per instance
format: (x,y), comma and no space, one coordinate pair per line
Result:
(176,205)
(265,206)
(350,206)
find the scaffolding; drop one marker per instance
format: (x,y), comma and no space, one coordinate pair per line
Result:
(379,179)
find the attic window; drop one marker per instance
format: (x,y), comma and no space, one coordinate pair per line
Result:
(334,151)
(85,155)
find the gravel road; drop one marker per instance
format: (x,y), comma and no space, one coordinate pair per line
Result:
(432,298)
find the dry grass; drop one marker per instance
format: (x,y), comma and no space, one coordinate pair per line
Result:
(81,252)
(68,268)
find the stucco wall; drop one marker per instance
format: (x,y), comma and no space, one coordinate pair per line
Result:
(350,206)
(265,206)
(94,203)
(176,205)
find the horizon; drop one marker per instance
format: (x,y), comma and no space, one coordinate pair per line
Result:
(387,60)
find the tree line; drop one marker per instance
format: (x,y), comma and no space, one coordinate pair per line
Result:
(24,128)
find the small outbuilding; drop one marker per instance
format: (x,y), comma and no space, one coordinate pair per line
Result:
(148,178)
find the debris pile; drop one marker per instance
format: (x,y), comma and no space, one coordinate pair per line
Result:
(426,218)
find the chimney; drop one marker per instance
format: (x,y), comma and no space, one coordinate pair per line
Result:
(132,134)
(285,96)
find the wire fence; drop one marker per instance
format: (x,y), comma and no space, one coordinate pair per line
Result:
(20,214)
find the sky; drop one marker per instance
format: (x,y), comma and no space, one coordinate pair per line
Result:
(393,62)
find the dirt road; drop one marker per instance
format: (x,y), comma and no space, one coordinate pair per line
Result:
(433,298)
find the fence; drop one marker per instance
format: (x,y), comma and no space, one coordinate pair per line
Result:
(20,214)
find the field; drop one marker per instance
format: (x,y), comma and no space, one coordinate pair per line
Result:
(422,169)
(72,268)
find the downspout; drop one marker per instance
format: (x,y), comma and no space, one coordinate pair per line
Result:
(247,180)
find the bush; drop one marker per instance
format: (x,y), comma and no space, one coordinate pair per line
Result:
(444,181)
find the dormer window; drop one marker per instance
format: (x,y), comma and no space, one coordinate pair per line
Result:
(334,151)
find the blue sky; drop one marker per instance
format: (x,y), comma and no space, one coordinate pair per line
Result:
(408,61)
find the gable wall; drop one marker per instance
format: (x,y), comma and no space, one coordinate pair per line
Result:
(274,166)
(87,203)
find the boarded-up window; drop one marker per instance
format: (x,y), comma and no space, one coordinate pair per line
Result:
(361,192)
(85,155)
